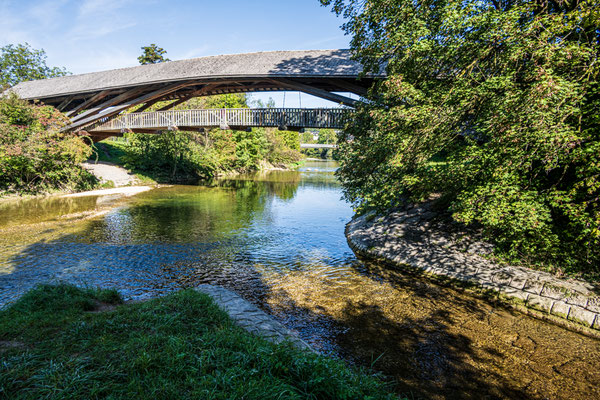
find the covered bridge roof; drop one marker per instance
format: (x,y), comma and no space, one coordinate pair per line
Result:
(289,64)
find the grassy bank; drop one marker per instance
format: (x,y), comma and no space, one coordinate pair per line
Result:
(64,342)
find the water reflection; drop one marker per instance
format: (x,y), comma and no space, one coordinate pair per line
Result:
(277,239)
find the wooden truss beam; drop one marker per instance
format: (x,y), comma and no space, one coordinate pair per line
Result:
(65,103)
(121,107)
(89,102)
(347,101)
(197,93)
(148,105)
(109,103)
(349,86)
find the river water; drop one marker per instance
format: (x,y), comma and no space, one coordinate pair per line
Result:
(278,240)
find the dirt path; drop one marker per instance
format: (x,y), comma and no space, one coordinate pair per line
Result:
(110,172)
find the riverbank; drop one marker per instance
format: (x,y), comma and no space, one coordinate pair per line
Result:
(62,341)
(189,158)
(414,238)
(123,191)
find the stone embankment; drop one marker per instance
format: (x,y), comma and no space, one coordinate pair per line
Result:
(251,318)
(418,238)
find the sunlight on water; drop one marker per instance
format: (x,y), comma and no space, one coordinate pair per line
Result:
(277,238)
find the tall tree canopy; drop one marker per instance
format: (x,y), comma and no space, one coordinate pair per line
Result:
(21,62)
(152,55)
(492,103)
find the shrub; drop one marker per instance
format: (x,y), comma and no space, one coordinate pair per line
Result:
(35,156)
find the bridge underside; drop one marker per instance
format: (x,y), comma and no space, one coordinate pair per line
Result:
(88,110)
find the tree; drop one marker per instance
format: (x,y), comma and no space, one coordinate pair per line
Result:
(152,55)
(258,103)
(494,105)
(21,62)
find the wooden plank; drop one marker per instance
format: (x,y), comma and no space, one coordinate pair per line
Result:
(348,86)
(121,107)
(65,103)
(317,92)
(94,99)
(109,103)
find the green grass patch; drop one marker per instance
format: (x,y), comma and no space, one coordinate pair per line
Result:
(111,151)
(63,342)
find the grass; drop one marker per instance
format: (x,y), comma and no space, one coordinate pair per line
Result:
(111,151)
(63,342)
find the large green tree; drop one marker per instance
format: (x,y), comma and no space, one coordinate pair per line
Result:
(21,62)
(492,103)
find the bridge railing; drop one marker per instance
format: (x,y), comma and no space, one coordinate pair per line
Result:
(224,117)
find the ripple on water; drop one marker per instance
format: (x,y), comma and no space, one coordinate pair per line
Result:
(278,240)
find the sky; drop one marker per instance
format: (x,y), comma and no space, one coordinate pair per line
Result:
(96,35)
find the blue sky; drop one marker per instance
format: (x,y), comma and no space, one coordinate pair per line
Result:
(95,35)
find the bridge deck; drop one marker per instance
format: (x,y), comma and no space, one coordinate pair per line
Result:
(318,146)
(333,118)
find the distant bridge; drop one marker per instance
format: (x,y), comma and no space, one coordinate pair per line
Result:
(92,99)
(318,146)
(224,118)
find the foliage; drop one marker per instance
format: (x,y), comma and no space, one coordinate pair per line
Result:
(21,62)
(258,103)
(181,346)
(325,136)
(169,156)
(493,104)
(35,156)
(187,156)
(152,55)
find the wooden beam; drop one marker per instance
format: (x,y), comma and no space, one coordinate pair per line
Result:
(347,101)
(65,103)
(94,99)
(197,93)
(173,104)
(109,103)
(148,105)
(349,86)
(121,107)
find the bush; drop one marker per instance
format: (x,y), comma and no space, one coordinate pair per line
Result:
(182,156)
(35,156)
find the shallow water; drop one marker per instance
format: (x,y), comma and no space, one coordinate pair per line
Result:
(278,240)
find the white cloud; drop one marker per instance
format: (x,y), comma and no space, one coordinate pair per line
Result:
(193,53)
(98,18)
(100,59)
(96,7)
(47,14)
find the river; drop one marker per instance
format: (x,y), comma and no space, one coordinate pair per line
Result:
(277,239)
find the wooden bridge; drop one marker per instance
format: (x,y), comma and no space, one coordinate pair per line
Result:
(224,118)
(318,146)
(92,100)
